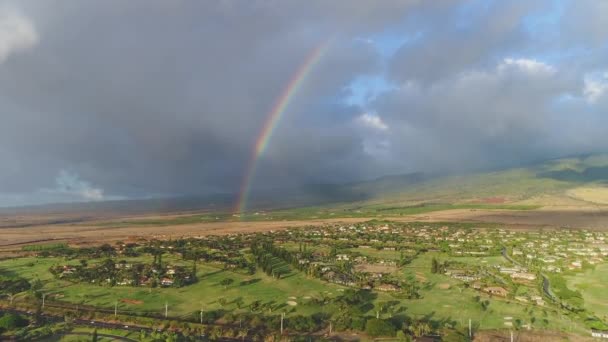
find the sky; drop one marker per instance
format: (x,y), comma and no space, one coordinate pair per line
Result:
(114,99)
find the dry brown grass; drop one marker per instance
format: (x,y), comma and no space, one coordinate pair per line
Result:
(91,232)
(597,195)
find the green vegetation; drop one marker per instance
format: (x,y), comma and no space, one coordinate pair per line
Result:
(10,321)
(44,247)
(592,285)
(385,279)
(524,188)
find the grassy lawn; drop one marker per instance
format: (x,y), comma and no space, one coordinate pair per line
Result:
(454,303)
(182,301)
(443,299)
(381,254)
(592,284)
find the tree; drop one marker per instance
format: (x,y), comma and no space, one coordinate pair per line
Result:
(243,333)
(94,337)
(421,328)
(402,337)
(226,281)
(434,266)
(376,327)
(12,321)
(222,301)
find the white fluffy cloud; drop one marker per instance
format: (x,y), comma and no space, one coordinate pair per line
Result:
(372,121)
(527,65)
(595,88)
(16,33)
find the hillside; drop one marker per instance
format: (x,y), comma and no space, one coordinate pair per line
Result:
(573,182)
(560,182)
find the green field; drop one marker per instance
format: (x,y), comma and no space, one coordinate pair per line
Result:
(592,284)
(182,301)
(444,300)
(458,304)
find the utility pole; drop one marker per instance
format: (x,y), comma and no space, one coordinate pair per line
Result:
(166,309)
(330,327)
(43,296)
(115,309)
(470,334)
(202,309)
(511,335)
(282,318)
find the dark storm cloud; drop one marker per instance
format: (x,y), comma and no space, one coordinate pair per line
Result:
(113,99)
(160,97)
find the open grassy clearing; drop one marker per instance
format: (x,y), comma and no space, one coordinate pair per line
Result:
(592,284)
(375,253)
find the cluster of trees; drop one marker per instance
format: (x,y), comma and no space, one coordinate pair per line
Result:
(122,273)
(11,321)
(438,267)
(62,250)
(231,259)
(266,255)
(10,285)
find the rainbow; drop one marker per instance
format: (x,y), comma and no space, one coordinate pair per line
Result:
(273,118)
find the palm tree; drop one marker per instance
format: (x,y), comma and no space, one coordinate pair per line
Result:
(243,333)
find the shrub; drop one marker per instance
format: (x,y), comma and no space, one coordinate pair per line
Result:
(12,321)
(377,327)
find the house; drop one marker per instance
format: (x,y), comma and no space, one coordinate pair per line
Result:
(343,257)
(68,269)
(387,288)
(576,264)
(496,290)
(523,275)
(125,282)
(166,282)
(599,333)
(538,300)
(509,270)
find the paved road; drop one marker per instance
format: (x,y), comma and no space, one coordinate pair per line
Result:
(88,323)
(114,337)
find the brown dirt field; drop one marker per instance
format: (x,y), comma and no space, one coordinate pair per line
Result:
(90,232)
(83,234)
(132,301)
(444,286)
(592,218)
